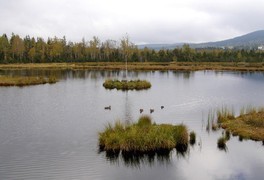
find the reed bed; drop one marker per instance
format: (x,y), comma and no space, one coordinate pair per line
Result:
(186,66)
(25,81)
(248,125)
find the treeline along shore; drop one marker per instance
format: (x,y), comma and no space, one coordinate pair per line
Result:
(15,49)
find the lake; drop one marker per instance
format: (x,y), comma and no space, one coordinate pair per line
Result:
(50,131)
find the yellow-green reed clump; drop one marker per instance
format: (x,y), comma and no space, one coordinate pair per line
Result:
(143,136)
(127,85)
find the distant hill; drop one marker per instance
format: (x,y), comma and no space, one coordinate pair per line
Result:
(248,41)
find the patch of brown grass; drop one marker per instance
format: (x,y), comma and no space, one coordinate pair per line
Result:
(185,66)
(25,81)
(248,126)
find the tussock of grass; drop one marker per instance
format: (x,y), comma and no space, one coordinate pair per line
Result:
(143,136)
(25,81)
(127,85)
(144,121)
(249,125)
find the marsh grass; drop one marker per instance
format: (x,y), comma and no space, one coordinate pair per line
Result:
(225,114)
(186,66)
(143,137)
(248,125)
(144,121)
(127,85)
(211,122)
(26,81)
(227,135)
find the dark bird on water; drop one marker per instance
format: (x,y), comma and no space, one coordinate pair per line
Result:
(151,111)
(140,110)
(108,108)
(161,107)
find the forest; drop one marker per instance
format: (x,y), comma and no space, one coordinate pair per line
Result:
(37,50)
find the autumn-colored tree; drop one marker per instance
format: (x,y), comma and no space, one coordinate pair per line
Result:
(4,47)
(40,50)
(32,54)
(94,48)
(56,49)
(17,47)
(109,46)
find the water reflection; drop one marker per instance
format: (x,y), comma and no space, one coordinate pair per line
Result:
(137,159)
(51,131)
(92,74)
(184,74)
(128,113)
(73,74)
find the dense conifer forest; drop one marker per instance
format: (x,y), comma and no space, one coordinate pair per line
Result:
(16,49)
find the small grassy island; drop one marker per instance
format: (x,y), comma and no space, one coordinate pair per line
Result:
(143,137)
(25,81)
(127,85)
(248,125)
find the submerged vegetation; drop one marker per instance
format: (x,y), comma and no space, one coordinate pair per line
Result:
(127,85)
(248,125)
(221,143)
(143,137)
(192,138)
(25,81)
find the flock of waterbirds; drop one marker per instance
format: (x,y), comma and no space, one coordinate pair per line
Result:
(140,110)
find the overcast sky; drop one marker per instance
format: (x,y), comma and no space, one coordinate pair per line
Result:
(145,21)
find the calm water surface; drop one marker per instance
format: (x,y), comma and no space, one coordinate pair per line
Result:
(50,131)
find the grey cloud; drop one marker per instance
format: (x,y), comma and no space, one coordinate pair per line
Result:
(154,21)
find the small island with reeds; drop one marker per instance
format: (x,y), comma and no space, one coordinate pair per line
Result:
(143,137)
(248,125)
(26,81)
(127,85)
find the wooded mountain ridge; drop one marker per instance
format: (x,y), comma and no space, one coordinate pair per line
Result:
(248,41)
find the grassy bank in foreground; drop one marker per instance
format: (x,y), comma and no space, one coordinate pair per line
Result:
(248,125)
(25,81)
(143,136)
(183,66)
(127,85)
